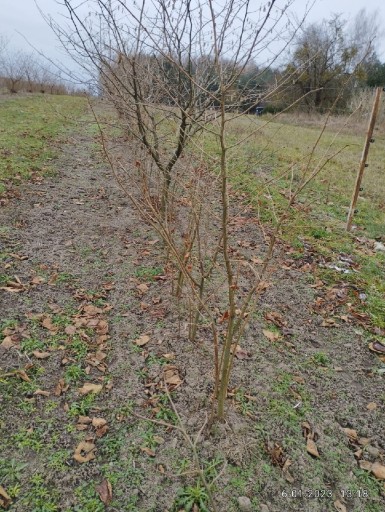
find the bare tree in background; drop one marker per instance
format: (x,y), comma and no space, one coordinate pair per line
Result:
(330,54)
(173,70)
(14,68)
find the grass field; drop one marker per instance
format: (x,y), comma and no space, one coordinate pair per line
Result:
(88,330)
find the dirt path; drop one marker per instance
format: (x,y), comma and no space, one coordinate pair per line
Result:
(86,289)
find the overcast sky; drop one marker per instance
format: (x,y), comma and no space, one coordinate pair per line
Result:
(22,16)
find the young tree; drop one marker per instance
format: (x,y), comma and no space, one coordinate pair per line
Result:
(173,69)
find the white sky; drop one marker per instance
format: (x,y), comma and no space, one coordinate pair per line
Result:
(23,16)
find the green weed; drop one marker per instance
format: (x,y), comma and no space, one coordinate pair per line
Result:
(190,496)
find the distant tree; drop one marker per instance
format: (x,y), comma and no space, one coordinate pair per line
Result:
(14,67)
(329,55)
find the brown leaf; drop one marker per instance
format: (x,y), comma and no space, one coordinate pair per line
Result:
(171,375)
(148,451)
(276,318)
(311,448)
(371,406)
(169,357)
(81,427)
(38,280)
(102,327)
(5,499)
(8,343)
(270,335)
(242,354)
(329,322)
(224,317)
(276,454)
(352,434)
(142,288)
(365,464)
(378,471)
(100,432)
(364,441)
(84,452)
(60,387)
(358,454)
(173,380)
(14,286)
(98,422)
(23,375)
(88,387)
(285,470)
(84,420)
(142,340)
(104,489)
(41,355)
(47,323)
(41,392)
(263,286)
(70,330)
(339,506)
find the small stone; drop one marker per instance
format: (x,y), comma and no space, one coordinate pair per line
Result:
(372,450)
(264,508)
(379,247)
(244,504)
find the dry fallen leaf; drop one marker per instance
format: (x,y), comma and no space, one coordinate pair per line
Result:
(270,335)
(98,422)
(339,506)
(60,387)
(371,406)
(378,471)
(242,354)
(329,322)
(173,380)
(263,286)
(23,375)
(84,420)
(285,470)
(365,464)
(169,356)
(84,452)
(88,387)
(47,323)
(38,280)
(41,355)
(70,330)
(276,318)
(14,286)
(100,432)
(142,288)
(311,448)
(7,343)
(5,499)
(104,489)
(148,451)
(352,434)
(41,392)
(142,340)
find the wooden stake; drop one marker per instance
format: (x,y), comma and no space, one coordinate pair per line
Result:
(364,157)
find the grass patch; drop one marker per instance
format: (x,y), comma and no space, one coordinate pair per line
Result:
(28,127)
